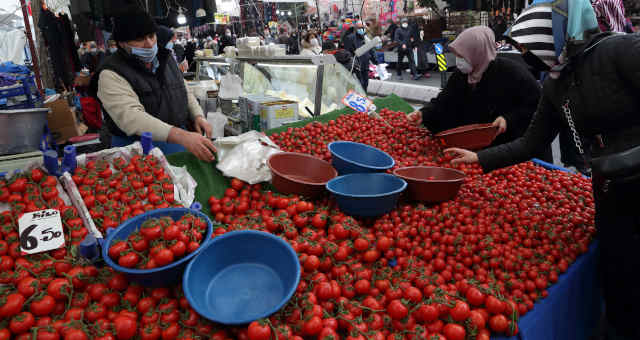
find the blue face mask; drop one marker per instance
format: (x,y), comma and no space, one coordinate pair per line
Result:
(360,31)
(169,45)
(145,54)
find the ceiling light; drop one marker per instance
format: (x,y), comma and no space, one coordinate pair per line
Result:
(201,13)
(181,18)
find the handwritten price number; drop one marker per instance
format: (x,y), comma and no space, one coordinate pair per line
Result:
(30,242)
(357,102)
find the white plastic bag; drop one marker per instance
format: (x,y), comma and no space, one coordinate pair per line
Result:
(245,156)
(381,70)
(230,86)
(217,121)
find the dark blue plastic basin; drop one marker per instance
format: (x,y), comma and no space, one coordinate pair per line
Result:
(351,157)
(156,277)
(242,276)
(366,195)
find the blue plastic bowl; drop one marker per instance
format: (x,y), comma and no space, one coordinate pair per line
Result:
(156,277)
(351,158)
(366,195)
(242,276)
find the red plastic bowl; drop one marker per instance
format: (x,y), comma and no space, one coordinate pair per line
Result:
(430,183)
(300,174)
(470,137)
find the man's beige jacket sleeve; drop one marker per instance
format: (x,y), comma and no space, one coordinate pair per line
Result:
(124,106)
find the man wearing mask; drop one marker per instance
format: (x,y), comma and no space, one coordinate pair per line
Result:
(113,48)
(351,44)
(227,40)
(141,89)
(405,48)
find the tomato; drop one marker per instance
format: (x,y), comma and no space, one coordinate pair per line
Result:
(313,326)
(43,306)
(237,184)
(319,221)
(125,327)
(75,334)
(163,257)
(36,175)
(477,319)
(170,332)
(150,332)
(259,331)
(129,260)
(12,305)
(475,297)
(498,323)
(459,312)
(116,249)
(494,306)
(21,323)
(397,310)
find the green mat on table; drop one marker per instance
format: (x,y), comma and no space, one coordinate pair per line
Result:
(391,102)
(210,180)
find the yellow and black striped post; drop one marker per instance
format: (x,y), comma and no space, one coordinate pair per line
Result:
(442,62)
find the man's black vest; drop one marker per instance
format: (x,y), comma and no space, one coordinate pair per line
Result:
(162,94)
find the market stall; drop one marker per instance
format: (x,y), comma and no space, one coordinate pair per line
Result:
(518,241)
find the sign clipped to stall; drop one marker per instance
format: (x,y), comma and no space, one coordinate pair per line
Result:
(40,231)
(357,102)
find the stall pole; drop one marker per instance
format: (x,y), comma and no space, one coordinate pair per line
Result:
(317,105)
(32,48)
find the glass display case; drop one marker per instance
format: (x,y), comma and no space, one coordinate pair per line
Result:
(317,83)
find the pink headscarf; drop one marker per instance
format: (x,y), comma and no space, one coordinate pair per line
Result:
(477,45)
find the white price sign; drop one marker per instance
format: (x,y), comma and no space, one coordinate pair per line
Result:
(40,231)
(357,102)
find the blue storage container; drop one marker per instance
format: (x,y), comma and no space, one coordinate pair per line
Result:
(367,195)
(351,157)
(157,277)
(242,276)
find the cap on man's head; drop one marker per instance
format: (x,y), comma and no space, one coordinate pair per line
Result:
(131,24)
(404,20)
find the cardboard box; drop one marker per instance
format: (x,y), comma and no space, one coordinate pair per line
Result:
(277,113)
(62,121)
(250,106)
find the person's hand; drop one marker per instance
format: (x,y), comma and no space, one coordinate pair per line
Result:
(415,117)
(199,145)
(501,123)
(202,125)
(463,156)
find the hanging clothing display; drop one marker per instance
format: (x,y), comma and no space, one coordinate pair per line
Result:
(58,37)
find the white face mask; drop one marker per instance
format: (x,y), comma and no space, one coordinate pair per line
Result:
(314,42)
(463,65)
(405,25)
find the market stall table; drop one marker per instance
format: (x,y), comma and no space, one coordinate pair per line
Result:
(572,309)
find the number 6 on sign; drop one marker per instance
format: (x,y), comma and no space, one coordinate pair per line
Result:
(40,231)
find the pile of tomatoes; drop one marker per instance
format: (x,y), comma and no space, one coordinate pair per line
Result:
(159,242)
(463,269)
(33,191)
(117,190)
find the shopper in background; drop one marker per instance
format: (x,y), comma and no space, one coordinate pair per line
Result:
(484,89)
(112,48)
(592,90)
(405,48)
(391,30)
(310,45)
(141,89)
(92,58)
(351,44)
(178,50)
(226,41)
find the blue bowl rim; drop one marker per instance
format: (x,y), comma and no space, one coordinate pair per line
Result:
(285,300)
(111,236)
(393,161)
(401,189)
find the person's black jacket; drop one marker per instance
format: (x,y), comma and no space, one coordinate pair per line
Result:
(92,61)
(226,41)
(603,101)
(403,37)
(391,30)
(292,45)
(355,41)
(506,89)
(179,52)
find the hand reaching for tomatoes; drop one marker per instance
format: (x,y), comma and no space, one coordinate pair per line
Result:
(501,123)
(463,156)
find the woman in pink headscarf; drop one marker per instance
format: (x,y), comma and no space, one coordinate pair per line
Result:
(484,89)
